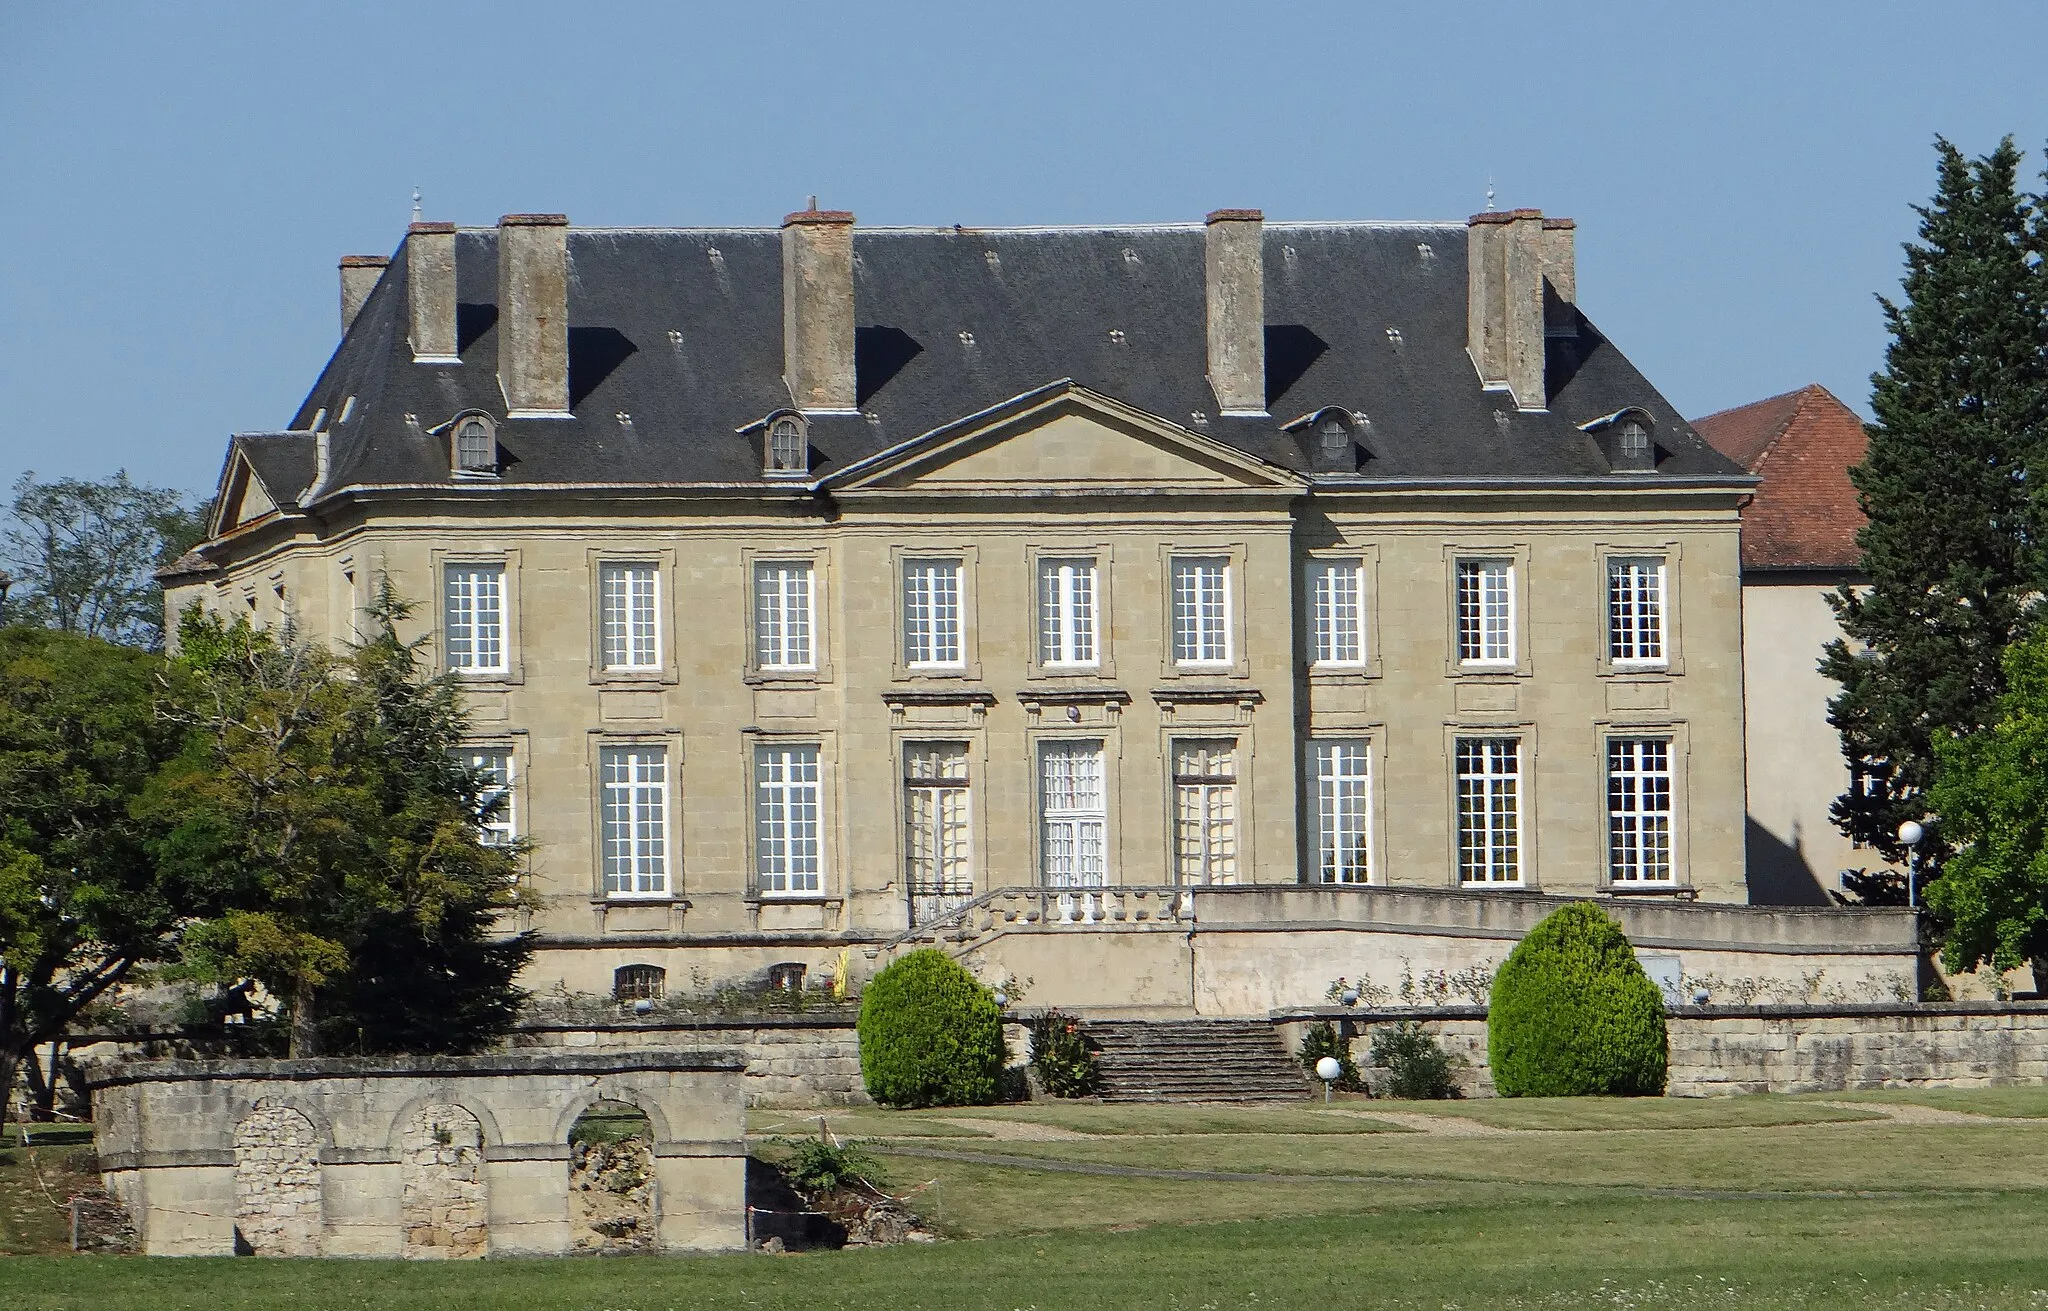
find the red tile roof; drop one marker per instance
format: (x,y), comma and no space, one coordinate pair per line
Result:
(1802,445)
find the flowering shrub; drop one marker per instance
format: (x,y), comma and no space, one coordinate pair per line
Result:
(1064,1057)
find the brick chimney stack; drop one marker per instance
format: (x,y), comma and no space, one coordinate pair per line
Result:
(430,280)
(533,315)
(359,274)
(1235,268)
(817,309)
(1504,303)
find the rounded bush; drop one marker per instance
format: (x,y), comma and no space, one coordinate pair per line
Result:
(1574,1015)
(929,1034)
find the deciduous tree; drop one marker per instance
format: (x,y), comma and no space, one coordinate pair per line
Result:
(84,554)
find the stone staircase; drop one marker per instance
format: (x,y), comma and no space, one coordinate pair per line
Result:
(1195,1061)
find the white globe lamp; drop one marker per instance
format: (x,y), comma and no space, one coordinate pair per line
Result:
(1910,834)
(1328,1069)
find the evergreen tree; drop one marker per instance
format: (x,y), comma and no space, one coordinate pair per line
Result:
(1949,550)
(318,801)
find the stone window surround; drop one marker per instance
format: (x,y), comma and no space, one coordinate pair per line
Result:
(1373,733)
(1526,801)
(1237,727)
(1235,553)
(1679,732)
(975,737)
(513,740)
(968,553)
(507,558)
(667,608)
(1368,554)
(1518,556)
(820,560)
(1105,646)
(670,740)
(1673,664)
(1111,737)
(832,839)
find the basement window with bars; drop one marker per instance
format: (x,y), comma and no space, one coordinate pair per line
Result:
(639,983)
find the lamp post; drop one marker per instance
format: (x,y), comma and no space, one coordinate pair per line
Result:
(1911,832)
(1328,1070)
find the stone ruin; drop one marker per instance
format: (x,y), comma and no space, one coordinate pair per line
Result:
(426,1158)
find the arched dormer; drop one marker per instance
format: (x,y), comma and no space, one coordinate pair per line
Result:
(473,445)
(786,446)
(1628,439)
(1331,438)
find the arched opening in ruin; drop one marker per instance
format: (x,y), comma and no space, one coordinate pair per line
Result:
(277,1182)
(611,1180)
(441,1172)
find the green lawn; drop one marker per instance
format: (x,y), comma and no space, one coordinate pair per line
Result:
(2028,1103)
(1745,1210)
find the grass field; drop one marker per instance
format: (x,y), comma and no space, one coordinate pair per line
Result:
(1753,1202)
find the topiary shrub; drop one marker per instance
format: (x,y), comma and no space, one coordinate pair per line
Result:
(1574,1015)
(929,1034)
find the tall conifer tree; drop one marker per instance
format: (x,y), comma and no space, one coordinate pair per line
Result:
(1952,549)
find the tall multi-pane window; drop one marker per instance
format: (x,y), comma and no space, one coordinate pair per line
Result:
(1337,604)
(1343,806)
(1489,809)
(497,823)
(634,811)
(1486,612)
(1205,811)
(473,625)
(783,622)
(938,842)
(1635,610)
(630,615)
(1201,610)
(1073,812)
(1639,809)
(1066,613)
(789,835)
(932,628)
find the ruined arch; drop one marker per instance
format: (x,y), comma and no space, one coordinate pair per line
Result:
(443,1207)
(278,1207)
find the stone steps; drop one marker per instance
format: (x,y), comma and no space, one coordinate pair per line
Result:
(1195,1061)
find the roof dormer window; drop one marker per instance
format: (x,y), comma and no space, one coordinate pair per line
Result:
(1628,439)
(788,452)
(1330,438)
(476,445)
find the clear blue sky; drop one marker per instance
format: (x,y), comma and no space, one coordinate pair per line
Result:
(180,178)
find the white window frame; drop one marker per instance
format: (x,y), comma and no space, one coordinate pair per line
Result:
(934,629)
(1342,772)
(1642,810)
(938,819)
(1330,596)
(1199,587)
(1207,836)
(635,835)
(1638,603)
(474,639)
(500,764)
(785,620)
(1492,853)
(1484,596)
(1069,612)
(629,623)
(789,820)
(1073,828)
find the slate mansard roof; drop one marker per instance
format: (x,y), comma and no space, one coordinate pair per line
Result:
(681,332)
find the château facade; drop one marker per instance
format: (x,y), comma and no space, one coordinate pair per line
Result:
(808,584)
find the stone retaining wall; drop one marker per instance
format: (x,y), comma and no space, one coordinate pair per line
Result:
(421,1157)
(792,1060)
(1795,1048)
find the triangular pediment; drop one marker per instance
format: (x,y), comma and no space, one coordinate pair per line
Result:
(1065,439)
(244,498)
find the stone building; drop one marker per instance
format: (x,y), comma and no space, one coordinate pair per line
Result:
(1798,545)
(811,584)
